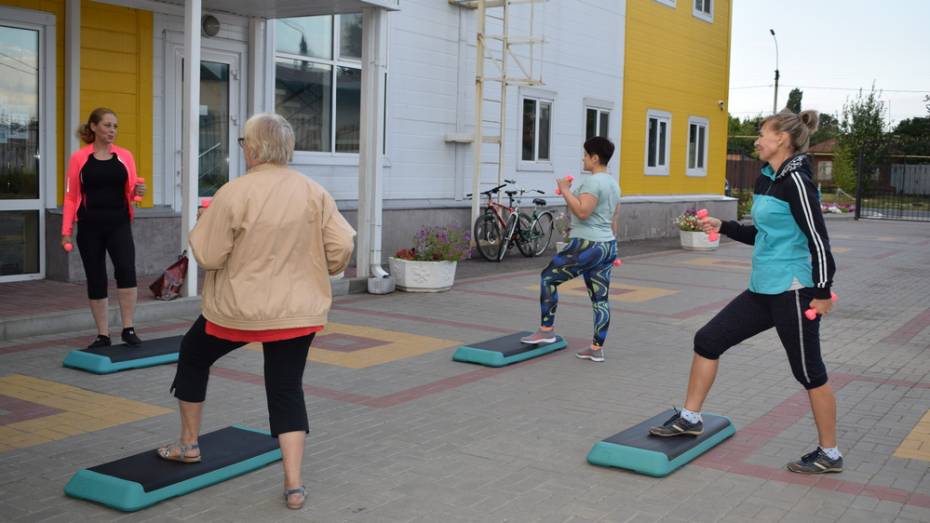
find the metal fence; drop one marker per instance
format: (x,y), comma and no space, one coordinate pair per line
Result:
(898,189)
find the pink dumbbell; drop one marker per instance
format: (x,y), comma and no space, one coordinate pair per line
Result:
(701,214)
(617,262)
(811,313)
(69,247)
(205,202)
(139,181)
(570,179)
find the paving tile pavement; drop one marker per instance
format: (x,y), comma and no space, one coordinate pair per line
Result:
(411,436)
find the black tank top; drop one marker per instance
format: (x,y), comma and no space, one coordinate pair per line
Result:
(103,183)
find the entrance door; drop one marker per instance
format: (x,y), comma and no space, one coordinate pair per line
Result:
(22,217)
(220,109)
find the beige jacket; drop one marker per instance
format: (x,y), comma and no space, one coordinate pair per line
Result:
(269,241)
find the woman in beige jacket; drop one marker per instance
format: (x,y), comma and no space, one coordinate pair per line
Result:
(269,242)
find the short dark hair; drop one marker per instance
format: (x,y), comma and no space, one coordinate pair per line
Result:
(602,147)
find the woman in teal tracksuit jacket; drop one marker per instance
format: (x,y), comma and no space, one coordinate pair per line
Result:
(792,270)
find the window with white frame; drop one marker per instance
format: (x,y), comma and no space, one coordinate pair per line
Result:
(658,133)
(704,9)
(536,129)
(318,79)
(596,122)
(697,147)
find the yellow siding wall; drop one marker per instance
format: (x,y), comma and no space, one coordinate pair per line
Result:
(677,63)
(116,72)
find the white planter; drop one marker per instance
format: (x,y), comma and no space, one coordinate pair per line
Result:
(697,241)
(422,276)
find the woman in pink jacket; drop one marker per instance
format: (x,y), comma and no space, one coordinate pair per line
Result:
(99,191)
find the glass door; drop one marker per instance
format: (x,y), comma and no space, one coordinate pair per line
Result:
(214,155)
(219,110)
(20,199)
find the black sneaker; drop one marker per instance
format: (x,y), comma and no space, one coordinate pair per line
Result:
(816,462)
(130,338)
(678,426)
(100,341)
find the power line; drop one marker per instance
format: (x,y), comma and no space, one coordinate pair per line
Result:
(17,69)
(814,87)
(31,66)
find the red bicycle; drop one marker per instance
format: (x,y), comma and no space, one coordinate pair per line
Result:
(501,227)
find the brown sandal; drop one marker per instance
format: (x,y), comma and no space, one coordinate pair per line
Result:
(167,453)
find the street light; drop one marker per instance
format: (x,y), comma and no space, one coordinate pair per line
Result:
(775,103)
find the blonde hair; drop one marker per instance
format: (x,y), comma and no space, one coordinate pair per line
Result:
(799,126)
(84,132)
(270,137)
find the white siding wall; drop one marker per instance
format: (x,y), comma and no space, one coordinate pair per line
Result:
(430,89)
(431,72)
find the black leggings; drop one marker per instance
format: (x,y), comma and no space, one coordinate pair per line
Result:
(284,372)
(95,240)
(750,313)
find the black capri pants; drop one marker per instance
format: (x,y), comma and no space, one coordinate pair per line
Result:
(751,313)
(284,371)
(95,240)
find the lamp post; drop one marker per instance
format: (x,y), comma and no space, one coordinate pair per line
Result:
(775,102)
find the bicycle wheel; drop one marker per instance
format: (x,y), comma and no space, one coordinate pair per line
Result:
(487,236)
(525,237)
(509,232)
(538,235)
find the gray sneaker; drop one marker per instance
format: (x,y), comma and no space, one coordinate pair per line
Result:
(816,462)
(677,426)
(591,354)
(540,337)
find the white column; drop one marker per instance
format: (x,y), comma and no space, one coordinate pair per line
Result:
(190,141)
(258,54)
(72,109)
(370,192)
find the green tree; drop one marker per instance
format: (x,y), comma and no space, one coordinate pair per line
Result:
(828,128)
(927,99)
(911,136)
(794,100)
(741,134)
(844,172)
(862,130)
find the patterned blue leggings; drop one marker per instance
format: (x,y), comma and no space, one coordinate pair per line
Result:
(594,260)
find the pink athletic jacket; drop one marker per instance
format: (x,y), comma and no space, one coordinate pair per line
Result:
(74,191)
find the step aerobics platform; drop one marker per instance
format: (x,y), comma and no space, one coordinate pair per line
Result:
(637,450)
(136,482)
(104,360)
(505,350)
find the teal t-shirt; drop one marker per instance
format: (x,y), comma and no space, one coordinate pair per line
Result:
(597,228)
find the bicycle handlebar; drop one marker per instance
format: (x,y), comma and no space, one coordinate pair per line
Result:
(520,190)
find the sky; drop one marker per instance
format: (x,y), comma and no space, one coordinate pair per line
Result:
(830,49)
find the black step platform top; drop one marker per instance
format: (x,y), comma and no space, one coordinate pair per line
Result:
(638,436)
(218,449)
(509,345)
(149,348)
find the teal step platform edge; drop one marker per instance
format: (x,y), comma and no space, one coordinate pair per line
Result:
(506,350)
(98,364)
(106,360)
(130,496)
(636,450)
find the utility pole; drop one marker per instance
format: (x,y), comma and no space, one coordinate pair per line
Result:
(775,102)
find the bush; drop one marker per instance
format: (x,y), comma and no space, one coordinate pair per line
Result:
(688,221)
(438,244)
